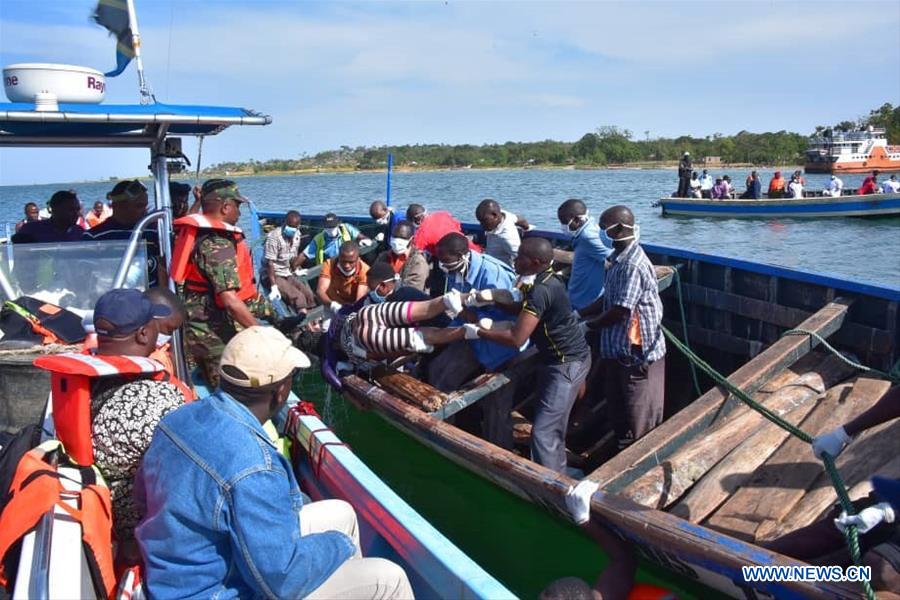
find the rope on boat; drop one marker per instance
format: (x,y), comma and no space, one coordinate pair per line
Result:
(850,534)
(684,328)
(893,375)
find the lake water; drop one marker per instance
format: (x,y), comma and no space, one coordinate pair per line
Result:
(860,249)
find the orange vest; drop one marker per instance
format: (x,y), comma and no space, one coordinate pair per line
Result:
(36,490)
(183,269)
(71,376)
(776,184)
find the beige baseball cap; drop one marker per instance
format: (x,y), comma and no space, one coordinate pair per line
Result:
(263,354)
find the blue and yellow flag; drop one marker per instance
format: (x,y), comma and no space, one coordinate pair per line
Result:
(113,14)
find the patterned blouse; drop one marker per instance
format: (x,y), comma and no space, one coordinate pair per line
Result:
(124,419)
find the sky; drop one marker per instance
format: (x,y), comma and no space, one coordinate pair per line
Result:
(392,73)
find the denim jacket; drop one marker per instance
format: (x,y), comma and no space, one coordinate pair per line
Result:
(222,508)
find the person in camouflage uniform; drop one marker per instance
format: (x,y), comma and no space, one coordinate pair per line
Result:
(208,326)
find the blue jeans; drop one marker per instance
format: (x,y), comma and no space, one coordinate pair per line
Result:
(558,387)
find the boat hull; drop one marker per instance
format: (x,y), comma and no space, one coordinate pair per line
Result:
(777,297)
(874,205)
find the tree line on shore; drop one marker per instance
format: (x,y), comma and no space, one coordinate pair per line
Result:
(608,145)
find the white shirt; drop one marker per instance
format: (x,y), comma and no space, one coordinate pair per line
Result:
(503,242)
(706,182)
(835,186)
(890,187)
(796,189)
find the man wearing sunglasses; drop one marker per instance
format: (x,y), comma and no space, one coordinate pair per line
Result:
(129,205)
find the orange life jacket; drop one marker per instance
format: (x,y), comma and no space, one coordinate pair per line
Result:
(71,376)
(776,184)
(183,270)
(36,490)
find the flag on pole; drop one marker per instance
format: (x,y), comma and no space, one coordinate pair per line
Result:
(113,14)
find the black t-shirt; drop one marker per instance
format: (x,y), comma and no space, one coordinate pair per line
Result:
(110,229)
(557,336)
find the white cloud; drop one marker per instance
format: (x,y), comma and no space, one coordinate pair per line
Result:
(371,73)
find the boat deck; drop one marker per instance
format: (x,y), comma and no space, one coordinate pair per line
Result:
(748,478)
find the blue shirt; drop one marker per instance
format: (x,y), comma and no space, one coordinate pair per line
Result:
(588,270)
(332,244)
(221,506)
(486,272)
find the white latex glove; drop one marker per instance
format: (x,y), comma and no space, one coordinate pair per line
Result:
(578,500)
(832,442)
(479,298)
(335,306)
(301,272)
(379,237)
(517,295)
(485,322)
(365,243)
(867,518)
(471,331)
(274,294)
(453,302)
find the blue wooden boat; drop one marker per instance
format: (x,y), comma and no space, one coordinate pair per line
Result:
(813,207)
(52,561)
(736,313)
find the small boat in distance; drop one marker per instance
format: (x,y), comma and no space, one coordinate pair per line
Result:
(852,152)
(854,205)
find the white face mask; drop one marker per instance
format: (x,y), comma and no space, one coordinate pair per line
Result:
(582,219)
(635,232)
(163,339)
(347,272)
(385,219)
(456,267)
(332,231)
(399,245)
(527,279)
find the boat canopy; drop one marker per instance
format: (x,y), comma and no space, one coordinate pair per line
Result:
(126,125)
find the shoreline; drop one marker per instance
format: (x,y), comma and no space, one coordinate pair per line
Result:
(637,166)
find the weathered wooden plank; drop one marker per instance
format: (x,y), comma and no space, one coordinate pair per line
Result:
(851,335)
(657,445)
(858,462)
(739,465)
(657,535)
(783,480)
(408,388)
(664,484)
(665,275)
(480,387)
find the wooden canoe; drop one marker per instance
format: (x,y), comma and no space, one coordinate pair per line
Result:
(872,205)
(736,313)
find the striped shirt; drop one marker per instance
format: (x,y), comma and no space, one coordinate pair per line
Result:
(631,283)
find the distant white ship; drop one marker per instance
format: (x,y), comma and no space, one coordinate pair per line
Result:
(852,152)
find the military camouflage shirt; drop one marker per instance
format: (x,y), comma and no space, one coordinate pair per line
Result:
(215,258)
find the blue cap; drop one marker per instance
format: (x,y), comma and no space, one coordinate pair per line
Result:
(126,311)
(888,490)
